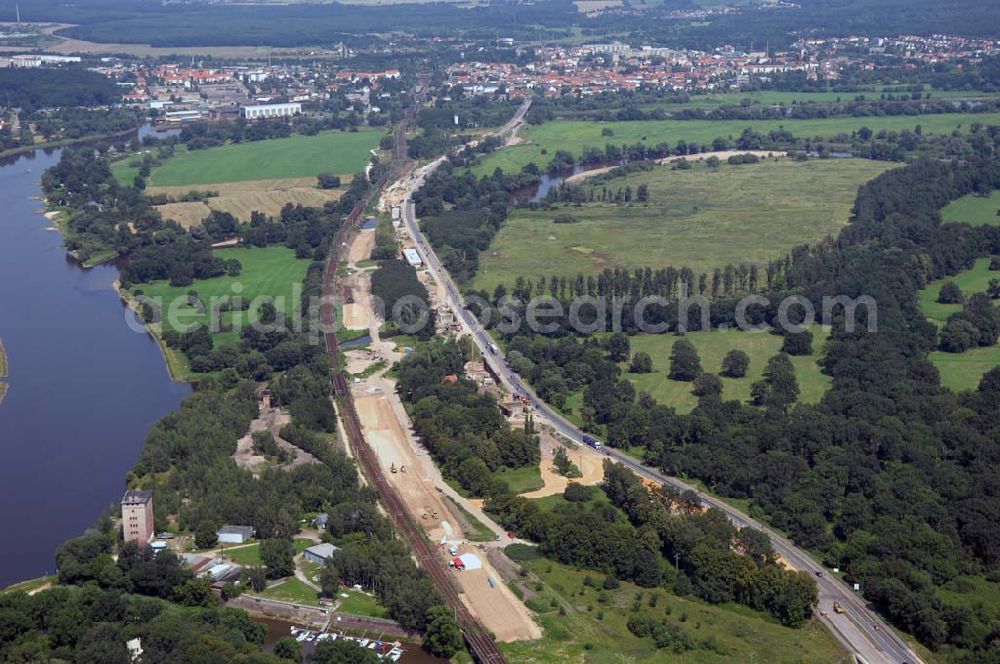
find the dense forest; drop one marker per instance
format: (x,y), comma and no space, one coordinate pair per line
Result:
(464,430)
(45,87)
(299,24)
(404,299)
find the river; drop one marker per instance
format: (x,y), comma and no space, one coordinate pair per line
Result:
(84,388)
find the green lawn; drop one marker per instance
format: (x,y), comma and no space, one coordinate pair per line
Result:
(590,630)
(522,480)
(974,210)
(574,135)
(360,604)
(297,156)
(960,371)
(292,590)
(250,554)
(712,347)
(701,218)
(268,271)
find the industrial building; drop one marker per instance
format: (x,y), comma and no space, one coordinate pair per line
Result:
(270,111)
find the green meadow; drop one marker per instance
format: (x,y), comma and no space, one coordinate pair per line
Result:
(574,135)
(712,347)
(974,210)
(701,218)
(772,97)
(960,371)
(971,282)
(587,624)
(269,272)
(280,158)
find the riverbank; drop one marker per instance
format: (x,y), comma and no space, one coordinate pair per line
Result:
(52,145)
(3,371)
(177,366)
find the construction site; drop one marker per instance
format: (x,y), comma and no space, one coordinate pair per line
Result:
(413,474)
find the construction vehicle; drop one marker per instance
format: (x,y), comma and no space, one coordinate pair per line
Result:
(837,608)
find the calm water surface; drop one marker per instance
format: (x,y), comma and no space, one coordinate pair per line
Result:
(84,388)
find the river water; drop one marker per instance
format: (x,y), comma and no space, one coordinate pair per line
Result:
(84,389)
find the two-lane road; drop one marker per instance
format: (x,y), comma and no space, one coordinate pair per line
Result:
(860,630)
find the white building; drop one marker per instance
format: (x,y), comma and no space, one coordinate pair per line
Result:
(412,257)
(234,534)
(270,111)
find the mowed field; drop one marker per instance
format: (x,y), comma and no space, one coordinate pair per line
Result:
(269,271)
(974,210)
(960,371)
(712,347)
(293,157)
(701,218)
(241,199)
(584,624)
(574,136)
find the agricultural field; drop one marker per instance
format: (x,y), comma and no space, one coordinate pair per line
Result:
(267,272)
(583,623)
(241,199)
(960,371)
(974,210)
(575,135)
(702,218)
(712,347)
(293,157)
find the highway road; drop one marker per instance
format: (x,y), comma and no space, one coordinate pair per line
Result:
(860,630)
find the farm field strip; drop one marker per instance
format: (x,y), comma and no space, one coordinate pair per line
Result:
(574,135)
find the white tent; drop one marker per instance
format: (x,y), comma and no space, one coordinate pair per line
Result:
(471,561)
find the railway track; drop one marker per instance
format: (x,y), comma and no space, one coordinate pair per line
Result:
(480,642)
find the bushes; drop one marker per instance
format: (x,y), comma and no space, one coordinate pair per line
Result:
(735,364)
